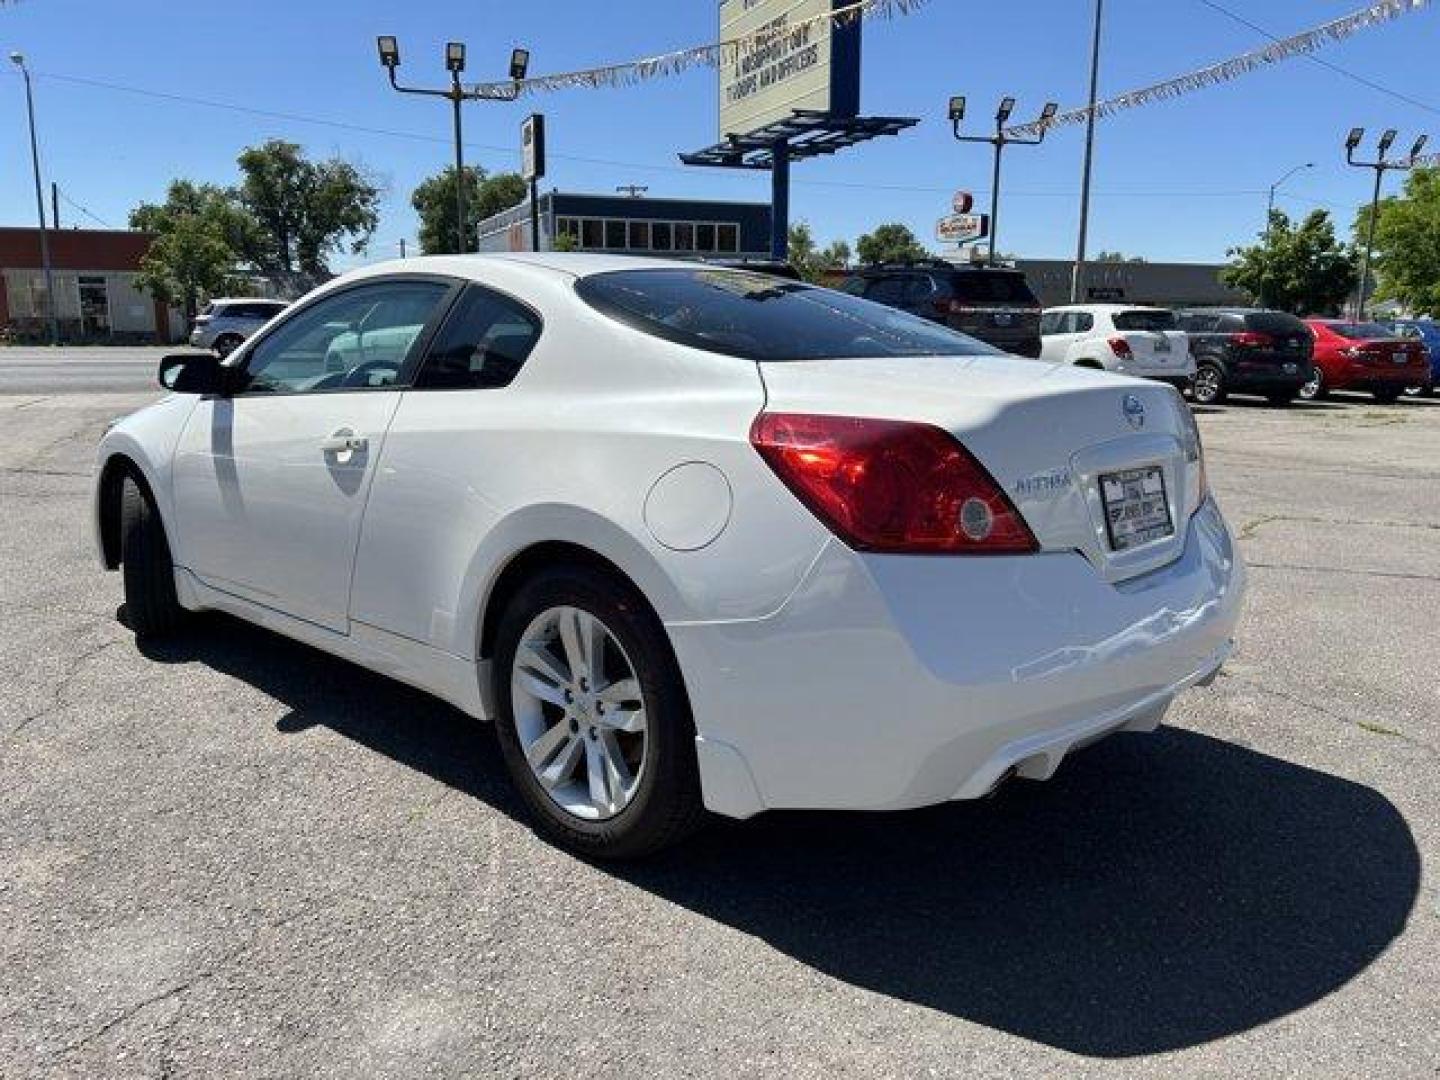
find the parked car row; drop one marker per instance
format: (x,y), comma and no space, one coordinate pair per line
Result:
(1209,352)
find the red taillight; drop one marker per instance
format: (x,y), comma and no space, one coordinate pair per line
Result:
(891,485)
(1121,348)
(1251,339)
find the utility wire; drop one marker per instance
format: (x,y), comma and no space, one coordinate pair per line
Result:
(365,129)
(83,209)
(1352,76)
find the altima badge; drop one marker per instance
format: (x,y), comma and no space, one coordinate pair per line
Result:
(1134,411)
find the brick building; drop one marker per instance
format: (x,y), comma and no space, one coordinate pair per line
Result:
(95,294)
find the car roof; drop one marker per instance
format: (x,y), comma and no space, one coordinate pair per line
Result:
(569,264)
(249,300)
(1106,307)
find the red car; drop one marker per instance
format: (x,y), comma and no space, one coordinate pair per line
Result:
(1363,356)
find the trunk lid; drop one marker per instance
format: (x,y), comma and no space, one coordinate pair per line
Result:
(1158,349)
(1047,434)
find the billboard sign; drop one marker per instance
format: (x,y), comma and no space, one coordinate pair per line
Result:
(532,147)
(962,228)
(799,60)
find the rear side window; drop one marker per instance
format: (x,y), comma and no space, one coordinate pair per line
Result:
(764,318)
(1146,319)
(1196,322)
(1274,322)
(980,287)
(886,290)
(483,345)
(1051,321)
(1360,331)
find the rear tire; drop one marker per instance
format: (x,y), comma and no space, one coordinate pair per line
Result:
(1208,385)
(661,803)
(151,606)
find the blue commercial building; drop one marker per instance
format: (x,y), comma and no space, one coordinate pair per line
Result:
(617,224)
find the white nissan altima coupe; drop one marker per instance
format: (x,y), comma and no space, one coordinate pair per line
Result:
(692,538)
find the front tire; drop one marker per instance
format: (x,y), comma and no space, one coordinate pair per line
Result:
(1315,389)
(1208,385)
(592,717)
(151,607)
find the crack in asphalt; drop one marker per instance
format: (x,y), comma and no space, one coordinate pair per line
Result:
(1391,574)
(1250,528)
(57,695)
(1295,699)
(30,470)
(180,988)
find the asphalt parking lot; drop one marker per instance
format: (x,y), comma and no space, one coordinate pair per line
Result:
(235,856)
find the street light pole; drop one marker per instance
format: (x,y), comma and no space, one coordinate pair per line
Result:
(999,141)
(456,94)
(1077,272)
(19,61)
(1381,166)
(1270,203)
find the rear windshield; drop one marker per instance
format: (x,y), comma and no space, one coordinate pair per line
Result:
(1360,331)
(1274,322)
(981,287)
(764,318)
(1146,319)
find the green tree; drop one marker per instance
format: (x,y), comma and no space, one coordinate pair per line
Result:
(1117,257)
(306,210)
(815,264)
(1407,243)
(201,234)
(485,195)
(892,242)
(1300,268)
(837,256)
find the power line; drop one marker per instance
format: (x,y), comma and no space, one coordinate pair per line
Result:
(1352,76)
(84,210)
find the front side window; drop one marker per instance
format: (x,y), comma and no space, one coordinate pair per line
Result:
(759,317)
(485,341)
(1082,322)
(1051,321)
(356,339)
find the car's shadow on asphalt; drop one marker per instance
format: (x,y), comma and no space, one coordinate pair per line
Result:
(1162,891)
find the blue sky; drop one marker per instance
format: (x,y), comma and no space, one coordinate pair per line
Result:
(1181,180)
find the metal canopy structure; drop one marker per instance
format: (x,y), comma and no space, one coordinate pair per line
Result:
(805,134)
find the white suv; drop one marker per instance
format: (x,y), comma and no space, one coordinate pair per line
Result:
(1128,340)
(224,323)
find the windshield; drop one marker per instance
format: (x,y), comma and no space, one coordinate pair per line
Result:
(1146,319)
(1360,331)
(764,318)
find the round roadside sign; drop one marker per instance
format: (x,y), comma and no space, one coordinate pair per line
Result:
(963,202)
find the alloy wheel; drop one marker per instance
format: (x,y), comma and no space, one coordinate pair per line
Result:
(1205,387)
(1311,390)
(579,713)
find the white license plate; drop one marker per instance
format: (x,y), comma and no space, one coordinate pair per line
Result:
(1136,509)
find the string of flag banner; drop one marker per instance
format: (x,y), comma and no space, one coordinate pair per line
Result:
(714,55)
(1276,52)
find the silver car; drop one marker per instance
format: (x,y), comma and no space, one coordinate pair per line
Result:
(223,324)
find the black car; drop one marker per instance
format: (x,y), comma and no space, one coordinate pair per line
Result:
(1248,351)
(993,304)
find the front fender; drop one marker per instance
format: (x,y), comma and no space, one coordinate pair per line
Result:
(147,440)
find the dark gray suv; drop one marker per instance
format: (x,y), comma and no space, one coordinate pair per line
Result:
(993,304)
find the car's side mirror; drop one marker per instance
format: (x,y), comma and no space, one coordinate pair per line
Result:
(194,373)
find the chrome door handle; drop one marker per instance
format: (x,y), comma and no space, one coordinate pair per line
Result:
(344,442)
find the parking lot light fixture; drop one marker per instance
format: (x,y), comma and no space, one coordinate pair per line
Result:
(519,64)
(999,141)
(389,50)
(1381,165)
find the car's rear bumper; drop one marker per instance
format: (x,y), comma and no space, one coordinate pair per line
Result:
(887,682)
(1379,376)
